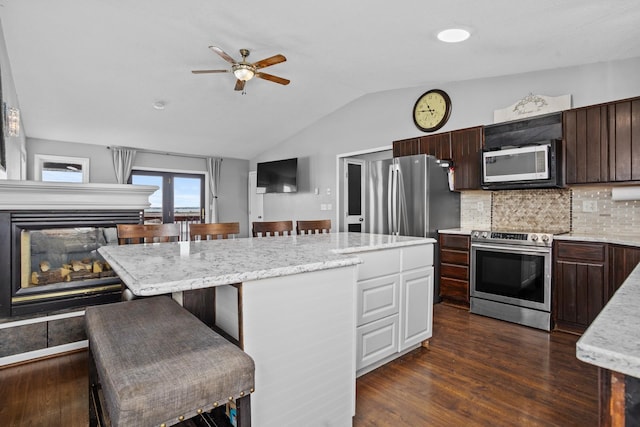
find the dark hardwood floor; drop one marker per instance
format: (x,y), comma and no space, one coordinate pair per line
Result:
(482,371)
(478,371)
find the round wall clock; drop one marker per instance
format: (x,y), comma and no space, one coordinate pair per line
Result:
(432,110)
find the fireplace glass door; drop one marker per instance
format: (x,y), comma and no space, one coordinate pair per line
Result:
(54,258)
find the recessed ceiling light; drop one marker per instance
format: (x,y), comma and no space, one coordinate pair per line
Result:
(453,35)
(158,105)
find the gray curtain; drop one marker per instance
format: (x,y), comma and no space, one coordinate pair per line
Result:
(213,167)
(123,163)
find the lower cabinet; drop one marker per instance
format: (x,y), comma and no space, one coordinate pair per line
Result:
(586,275)
(394,304)
(580,283)
(454,269)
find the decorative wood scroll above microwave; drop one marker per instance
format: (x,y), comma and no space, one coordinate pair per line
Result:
(532,105)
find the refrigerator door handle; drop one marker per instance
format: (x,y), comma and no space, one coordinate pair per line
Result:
(390,199)
(393,194)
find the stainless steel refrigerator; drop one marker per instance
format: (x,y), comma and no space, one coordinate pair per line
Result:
(410,196)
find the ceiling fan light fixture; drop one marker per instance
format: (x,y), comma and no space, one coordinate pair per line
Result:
(453,35)
(243,72)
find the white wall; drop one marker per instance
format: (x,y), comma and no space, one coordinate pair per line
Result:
(375,120)
(232,198)
(14,146)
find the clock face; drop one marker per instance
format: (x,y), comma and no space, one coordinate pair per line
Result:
(432,110)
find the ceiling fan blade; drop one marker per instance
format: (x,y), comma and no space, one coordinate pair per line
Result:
(208,71)
(223,54)
(275,59)
(273,78)
(239,84)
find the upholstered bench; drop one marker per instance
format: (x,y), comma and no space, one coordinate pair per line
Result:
(157,365)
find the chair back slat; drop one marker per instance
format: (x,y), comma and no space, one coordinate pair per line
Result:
(319,226)
(147,233)
(213,231)
(272,228)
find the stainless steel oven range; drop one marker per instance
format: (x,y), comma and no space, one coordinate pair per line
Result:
(511,277)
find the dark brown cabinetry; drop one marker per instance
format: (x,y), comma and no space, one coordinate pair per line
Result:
(406,147)
(622,261)
(602,142)
(466,146)
(586,275)
(454,269)
(462,146)
(580,283)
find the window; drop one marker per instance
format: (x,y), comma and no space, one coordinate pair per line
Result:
(179,198)
(52,168)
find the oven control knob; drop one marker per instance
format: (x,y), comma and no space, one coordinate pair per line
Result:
(545,238)
(485,234)
(476,233)
(534,237)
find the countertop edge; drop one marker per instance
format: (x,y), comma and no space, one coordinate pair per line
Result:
(612,341)
(382,246)
(463,231)
(611,239)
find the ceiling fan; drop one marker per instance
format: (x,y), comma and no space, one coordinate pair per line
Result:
(245,71)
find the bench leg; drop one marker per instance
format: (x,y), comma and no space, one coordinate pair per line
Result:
(93,392)
(97,417)
(243,411)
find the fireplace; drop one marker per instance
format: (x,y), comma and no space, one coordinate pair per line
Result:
(54,261)
(49,239)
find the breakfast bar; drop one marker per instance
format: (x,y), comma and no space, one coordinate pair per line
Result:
(299,305)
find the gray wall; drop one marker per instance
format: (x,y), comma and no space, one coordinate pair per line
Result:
(14,146)
(233,197)
(375,120)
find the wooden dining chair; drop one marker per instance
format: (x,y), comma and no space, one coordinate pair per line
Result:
(272,228)
(147,233)
(318,226)
(213,231)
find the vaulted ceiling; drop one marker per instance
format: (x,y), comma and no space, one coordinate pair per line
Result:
(89,71)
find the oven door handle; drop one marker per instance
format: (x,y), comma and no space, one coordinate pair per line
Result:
(513,248)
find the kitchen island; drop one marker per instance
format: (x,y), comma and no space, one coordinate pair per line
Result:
(612,342)
(300,301)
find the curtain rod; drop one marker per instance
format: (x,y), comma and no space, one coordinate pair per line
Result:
(165,153)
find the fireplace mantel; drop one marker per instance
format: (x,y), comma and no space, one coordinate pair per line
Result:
(37,195)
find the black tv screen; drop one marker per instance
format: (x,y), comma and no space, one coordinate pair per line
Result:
(278,176)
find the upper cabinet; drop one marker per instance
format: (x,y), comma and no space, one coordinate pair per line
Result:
(462,146)
(406,147)
(466,148)
(602,143)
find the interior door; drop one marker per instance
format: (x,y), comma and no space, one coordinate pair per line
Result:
(256,202)
(354,200)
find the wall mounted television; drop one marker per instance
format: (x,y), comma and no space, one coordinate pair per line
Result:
(279,176)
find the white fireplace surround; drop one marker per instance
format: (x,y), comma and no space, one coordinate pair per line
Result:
(34,195)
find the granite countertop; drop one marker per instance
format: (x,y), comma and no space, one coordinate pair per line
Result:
(464,231)
(612,341)
(619,239)
(629,240)
(160,268)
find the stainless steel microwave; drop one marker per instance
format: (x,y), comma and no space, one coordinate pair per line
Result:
(531,166)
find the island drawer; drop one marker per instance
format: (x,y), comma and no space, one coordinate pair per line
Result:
(377,298)
(417,256)
(378,263)
(376,340)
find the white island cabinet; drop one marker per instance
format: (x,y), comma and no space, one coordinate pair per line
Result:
(394,304)
(296,309)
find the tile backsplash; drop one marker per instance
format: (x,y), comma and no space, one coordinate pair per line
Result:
(594,212)
(547,210)
(583,210)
